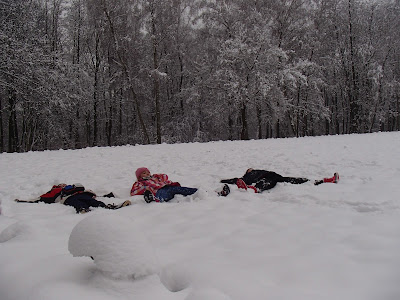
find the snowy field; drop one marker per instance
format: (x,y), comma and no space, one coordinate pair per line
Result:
(294,242)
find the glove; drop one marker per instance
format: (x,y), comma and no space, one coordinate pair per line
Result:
(241,184)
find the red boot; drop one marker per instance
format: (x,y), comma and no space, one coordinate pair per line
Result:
(334,179)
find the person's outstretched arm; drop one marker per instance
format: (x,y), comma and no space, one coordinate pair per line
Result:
(229,181)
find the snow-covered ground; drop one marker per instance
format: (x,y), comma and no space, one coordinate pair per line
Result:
(300,242)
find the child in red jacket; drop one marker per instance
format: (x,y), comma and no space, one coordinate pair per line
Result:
(74,195)
(157,187)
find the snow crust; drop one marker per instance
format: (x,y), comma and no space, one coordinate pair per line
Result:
(294,242)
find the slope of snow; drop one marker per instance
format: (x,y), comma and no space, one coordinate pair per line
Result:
(332,241)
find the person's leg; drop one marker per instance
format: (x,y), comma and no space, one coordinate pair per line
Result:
(165,193)
(77,204)
(185,191)
(294,180)
(265,184)
(94,203)
(272,176)
(118,206)
(83,202)
(334,179)
(168,192)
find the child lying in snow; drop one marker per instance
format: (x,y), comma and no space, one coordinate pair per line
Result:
(157,187)
(265,180)
(75,195)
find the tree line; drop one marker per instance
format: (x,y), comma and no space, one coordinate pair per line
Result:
(83,73)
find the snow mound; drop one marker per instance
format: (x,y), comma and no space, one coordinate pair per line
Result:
(175,277)
(117,247)
(206,294)
(13,231)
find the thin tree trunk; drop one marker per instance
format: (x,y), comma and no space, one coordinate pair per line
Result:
(398,113)
(109,106)
(353,93)
(327,124)
(298,113)
(78,143)
(244,134)
(88,129)
(96,62)
(156,90)
(78,38)
(109,125)
(12,123)
(230,128)
(278,135)
(1,127)
(259,122)
(120,114)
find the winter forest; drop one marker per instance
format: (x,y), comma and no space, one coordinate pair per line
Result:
(83,73)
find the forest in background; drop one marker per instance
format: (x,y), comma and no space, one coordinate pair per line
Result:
(84,73)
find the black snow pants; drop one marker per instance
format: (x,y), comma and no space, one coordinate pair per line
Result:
(264,180)
(83,201)
(268,183)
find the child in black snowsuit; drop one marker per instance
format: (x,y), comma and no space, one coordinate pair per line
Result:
(264,180)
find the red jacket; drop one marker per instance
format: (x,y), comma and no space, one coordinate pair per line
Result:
(153,184)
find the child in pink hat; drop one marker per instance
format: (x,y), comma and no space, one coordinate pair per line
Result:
(157,187)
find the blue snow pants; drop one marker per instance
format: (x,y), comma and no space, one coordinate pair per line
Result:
(168,192)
